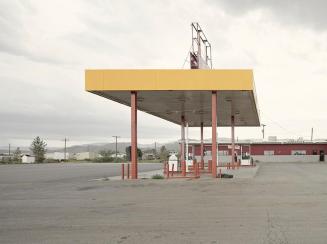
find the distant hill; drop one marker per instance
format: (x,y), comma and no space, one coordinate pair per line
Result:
(121,146)
(96,147)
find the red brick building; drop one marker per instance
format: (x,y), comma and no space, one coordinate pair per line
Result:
(264,149)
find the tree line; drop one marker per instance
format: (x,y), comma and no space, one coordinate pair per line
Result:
(38,148)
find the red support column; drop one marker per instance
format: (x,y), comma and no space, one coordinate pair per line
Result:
(210,166)
(202,159)
(183,166)
(183,139)
(167,170)
(122,171)
(134,134)
(214,132)
(233,140)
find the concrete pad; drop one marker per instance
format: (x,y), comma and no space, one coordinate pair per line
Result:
(141,175)
(243,172)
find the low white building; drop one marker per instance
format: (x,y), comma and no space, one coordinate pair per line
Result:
(85,155)
(119,155)
(4,156)
(60,156)
(28,159)
(148,156)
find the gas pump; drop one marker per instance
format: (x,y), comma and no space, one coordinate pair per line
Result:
(189,161)
(245,156)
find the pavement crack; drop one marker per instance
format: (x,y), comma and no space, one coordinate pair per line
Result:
(275,232)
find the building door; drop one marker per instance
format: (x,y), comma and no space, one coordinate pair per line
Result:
(321,156)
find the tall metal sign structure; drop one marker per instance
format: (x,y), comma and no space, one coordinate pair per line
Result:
(200,58)
(200,55)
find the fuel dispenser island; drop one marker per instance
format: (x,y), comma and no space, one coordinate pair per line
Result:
(188,159)
(246,156)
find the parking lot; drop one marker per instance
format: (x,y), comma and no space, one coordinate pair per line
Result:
(281,203)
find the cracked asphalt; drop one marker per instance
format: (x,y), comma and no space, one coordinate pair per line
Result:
(281,203)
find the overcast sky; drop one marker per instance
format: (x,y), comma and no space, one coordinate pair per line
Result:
(45,46)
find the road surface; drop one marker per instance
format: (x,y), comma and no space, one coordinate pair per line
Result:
(281,203)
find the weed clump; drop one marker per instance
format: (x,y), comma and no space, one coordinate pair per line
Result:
(157,177)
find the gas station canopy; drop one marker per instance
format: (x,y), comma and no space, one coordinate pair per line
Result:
(170,94)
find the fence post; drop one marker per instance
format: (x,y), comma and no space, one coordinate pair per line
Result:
(198,169)
(183,168)
(122,171)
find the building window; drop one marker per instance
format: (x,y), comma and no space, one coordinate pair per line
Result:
(270,152)
(222,153)
(298,152)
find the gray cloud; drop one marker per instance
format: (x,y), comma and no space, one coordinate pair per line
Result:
(28,110)
(311,14)
(41,95)
(14,31)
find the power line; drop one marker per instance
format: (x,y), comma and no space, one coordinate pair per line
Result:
(186,58)
(263,131)
(282,127)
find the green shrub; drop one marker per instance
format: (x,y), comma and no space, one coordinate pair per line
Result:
(157,177)
(104,160)
(50,160)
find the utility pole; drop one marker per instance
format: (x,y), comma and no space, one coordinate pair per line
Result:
(9,150)
(155,150)
(263,131)
(65,149)
(116,137)
(312,134)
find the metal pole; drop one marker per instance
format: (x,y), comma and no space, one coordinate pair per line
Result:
(183,138)
(202,147)
(214,134)
(187,158)
(199,45)
(116,145)
(263,131)
(9,150)
(241,152)
(65,148)
(134,134)
(311,134)
(122,171)
(155,149)
(233,139)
